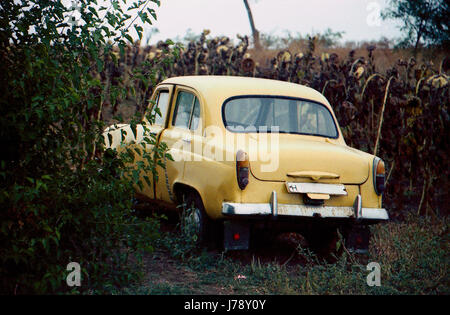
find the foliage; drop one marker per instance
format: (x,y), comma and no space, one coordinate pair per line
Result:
(184,243)
(330,37)
(327,39)
(414,254)
(423,20)
(63,198)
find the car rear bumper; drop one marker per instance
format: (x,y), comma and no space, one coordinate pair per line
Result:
(274,209)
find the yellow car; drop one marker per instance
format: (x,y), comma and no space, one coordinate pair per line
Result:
(261,155)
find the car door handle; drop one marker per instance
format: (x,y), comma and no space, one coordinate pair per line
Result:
(187,140)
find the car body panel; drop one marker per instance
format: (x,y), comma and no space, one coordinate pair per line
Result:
(304,155)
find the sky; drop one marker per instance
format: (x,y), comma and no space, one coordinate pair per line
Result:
(358,19)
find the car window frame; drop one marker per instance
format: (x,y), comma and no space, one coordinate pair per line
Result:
(175,108)
(281,97)
(154,102)
(162,90)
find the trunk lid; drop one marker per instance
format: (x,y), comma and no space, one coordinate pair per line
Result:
(298,158)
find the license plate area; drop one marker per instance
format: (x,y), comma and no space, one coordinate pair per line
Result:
(316,188)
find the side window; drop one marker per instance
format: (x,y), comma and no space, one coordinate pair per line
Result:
(162,102)
(195,115)
(183,109)
(187,111)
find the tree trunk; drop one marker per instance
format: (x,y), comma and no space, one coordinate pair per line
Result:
(416,46)
(419,32)
(255,32)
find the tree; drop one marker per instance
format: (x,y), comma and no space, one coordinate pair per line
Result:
(255,32)
(424,21)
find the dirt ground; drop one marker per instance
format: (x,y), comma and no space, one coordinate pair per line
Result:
(163,271)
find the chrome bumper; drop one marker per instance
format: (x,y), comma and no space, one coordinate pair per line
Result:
(275,209)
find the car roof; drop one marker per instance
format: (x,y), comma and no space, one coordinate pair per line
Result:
(215,90)
(223,87)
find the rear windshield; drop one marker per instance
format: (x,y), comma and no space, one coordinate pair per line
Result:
(278,114)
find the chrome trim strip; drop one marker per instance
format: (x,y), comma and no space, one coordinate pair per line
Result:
(374,214)
(357,206)
(315,211)
(274,203)
(229,208)
(265,209)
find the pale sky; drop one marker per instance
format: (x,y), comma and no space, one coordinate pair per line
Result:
(359,19)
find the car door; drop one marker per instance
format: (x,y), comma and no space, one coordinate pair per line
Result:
(159,108)
(178,137)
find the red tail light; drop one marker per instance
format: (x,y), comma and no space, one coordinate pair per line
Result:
(378,175)
(242,169)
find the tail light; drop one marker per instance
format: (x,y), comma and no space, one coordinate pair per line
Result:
(378,175)
(242,169)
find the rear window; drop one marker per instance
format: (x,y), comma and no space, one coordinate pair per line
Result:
(278,114)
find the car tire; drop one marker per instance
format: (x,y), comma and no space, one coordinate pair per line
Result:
(204,228)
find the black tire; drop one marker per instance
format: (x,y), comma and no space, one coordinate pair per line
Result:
(206,230)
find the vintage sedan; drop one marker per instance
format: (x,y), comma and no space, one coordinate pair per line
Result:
(256,155)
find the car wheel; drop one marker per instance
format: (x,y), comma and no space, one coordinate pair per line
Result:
(195,220)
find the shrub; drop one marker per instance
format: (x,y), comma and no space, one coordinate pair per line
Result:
(62,197)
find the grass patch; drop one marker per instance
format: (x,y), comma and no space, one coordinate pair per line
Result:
(413,256)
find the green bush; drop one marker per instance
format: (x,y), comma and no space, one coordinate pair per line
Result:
(62,198)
